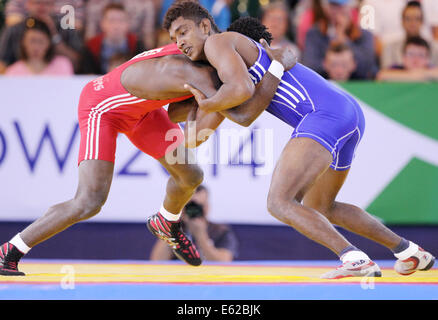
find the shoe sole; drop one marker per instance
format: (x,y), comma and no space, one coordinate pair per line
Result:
(376,274)
(430,265)
(182,259)
(4,272)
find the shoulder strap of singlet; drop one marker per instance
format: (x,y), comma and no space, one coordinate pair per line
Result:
(259,47)
(170,49)
(159,52)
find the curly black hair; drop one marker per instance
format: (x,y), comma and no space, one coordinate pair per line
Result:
(188,9)
(252,28)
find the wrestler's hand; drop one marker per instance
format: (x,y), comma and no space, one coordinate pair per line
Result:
(199,96)
(285,56)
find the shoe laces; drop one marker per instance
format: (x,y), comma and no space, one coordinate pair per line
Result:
(183,239)
(11,265)
(8,262)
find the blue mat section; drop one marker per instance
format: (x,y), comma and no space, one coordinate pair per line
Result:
(219,292)
(148,291)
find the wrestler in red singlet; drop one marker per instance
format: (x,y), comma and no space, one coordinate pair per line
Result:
(107,108)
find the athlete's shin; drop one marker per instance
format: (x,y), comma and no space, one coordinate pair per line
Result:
(308,222)
(180,189)
(61,216)
(359,221)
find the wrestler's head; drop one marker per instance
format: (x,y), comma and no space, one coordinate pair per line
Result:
(189,25)
(252,28)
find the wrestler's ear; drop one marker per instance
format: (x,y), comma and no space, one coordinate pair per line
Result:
(205,26)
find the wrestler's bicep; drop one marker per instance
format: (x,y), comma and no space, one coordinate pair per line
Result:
(178,111)
(206,80)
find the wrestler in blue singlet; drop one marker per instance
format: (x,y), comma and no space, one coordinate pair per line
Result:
(316,109)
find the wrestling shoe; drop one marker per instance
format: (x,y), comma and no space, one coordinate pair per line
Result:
(420,260)
(9,257)
(171,232)
(359,268)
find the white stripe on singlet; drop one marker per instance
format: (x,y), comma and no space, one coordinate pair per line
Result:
(94,121)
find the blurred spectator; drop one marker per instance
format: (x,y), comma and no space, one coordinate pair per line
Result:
(163,37)
(215,242)
(387,25)
(16,11)
(38,53)
(116,60)
(415,66)
(385,21)
(308,12)
(338,26)
(141,15)
(339,62)
(67,41)
(219,9)
(2,13)
(115,38)
(245,8)
(431,17)
(275,17)
(412,21)
(293,3)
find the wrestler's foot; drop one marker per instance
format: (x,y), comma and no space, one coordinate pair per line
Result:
(359,268)
(171,232)
(9,257)
(420,260)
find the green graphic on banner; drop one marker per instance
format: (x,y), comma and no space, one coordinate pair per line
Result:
(411,198)
(414,105)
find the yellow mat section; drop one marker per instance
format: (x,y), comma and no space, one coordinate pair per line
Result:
(157,273)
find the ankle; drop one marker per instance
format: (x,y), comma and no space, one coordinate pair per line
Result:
(351,253)
(18,243)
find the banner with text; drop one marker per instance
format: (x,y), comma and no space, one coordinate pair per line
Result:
(394,175)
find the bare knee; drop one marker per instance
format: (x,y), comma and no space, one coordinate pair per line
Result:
(88,205)
(191,178)
(323,207)
(277,205)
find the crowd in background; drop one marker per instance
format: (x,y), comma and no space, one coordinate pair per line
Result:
(383,40)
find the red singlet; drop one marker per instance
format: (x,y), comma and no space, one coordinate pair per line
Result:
(106,108)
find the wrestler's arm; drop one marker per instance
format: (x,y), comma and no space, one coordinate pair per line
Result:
(236,86)
(199,124)
(207,81)
(198,120)
(178,111)
(248,111)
